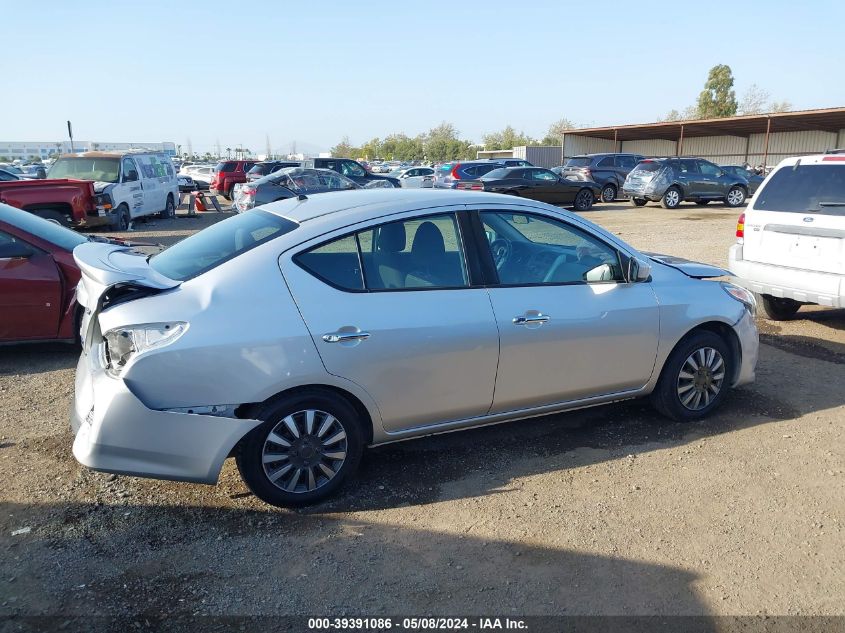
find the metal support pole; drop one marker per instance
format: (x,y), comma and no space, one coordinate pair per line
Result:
(616,147)
(679,148)
(766,145)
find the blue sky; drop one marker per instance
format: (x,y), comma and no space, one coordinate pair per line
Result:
(315,71)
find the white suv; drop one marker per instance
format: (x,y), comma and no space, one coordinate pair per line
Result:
(790,246)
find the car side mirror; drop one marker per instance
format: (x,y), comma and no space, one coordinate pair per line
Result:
(638,270)
(15,250)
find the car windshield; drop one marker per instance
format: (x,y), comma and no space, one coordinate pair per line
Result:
(579,161)
(219,243)
(96,169)
(46,230)
(805,188)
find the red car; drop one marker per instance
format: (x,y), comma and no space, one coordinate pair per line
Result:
(227,174)
(38,278)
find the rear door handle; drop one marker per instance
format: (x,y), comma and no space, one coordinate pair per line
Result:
(527,320)
(342,337)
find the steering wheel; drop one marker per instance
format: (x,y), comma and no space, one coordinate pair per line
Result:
(502,251)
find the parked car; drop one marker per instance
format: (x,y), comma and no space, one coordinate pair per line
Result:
(608,170)
(674,180)
(377,316)
(67,202)
(7,176)
(414,177)
(129,184)
(289,183)
(265,167)
(754,179)
(33,171)
(349,168)
(202,175)
(186,183)
(791,238)
(536,183)
(511,162)
(447,175)
(227,174)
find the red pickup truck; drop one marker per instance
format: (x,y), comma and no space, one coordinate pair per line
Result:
(69,202)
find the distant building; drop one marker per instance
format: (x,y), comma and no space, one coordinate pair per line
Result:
(24,150)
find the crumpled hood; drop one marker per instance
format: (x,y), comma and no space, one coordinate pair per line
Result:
(100,187)
(696,270)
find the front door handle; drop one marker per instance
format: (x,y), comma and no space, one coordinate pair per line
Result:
(528,320)
(345,337)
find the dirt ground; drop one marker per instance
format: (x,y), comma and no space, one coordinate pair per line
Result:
(611,510)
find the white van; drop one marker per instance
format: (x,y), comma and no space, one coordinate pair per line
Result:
(128,184)
(790,246)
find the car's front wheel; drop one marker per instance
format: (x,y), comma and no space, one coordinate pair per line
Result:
(608,193)
(695,377)
(584,200)
(306,449)
(735,197)
(777,308)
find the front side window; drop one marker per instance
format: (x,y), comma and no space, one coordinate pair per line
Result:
(130,173)
(709,169)
(606,162)
(411,254)
(351,168)
(530,249)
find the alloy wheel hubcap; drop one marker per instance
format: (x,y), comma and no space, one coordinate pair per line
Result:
(700,379)
(735,196)
(304,451)
(608,194)
(672,198)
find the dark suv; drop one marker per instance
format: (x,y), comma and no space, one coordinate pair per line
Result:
(607,170)
(350,168)
(449,174)
(673,180)
(267,167)
(227,174)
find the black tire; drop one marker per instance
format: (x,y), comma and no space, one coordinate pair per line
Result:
(672,198)
(584,200)
(252,449)
(122,218)
(736,196)
(638,202)
(665,397)
(230,194)
(777,308)
(54,216)
(702,203)
(608,192)
(169,208)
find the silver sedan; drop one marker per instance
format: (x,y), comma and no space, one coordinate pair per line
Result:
(414,177)
(296,334)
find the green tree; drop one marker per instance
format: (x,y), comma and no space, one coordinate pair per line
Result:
(507,139)
(687,114)
(718,98)
(753,101)
(442,143)
(4,159)
(780,106)
(556,131)
(345,149)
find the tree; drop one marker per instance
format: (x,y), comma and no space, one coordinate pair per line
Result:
(754,100)
(228,152)
(344,149)
(556,132)
(506,139)
(718,98)
(442,143)
(780,106)
(687,114)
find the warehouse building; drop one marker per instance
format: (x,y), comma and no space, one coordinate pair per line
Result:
(28,150)
(760,139)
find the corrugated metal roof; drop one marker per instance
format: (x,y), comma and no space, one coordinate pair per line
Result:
(828,120)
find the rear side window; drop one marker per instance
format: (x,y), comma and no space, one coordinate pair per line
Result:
(606,162)
(804,188)
(219,243)
(336,263)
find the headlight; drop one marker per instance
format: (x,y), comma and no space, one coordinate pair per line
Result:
(125,343)
(742,295)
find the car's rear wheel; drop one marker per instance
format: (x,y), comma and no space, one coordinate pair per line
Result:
(53,215)
(169,208)
(230,193)
(309,445)
(672,198)
(735,197)
(584,200)
(638,202)
(777,308)
(695,377)
(608,193)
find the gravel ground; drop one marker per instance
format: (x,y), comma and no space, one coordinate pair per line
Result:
(603,511)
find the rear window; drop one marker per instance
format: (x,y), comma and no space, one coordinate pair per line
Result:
(481,170)
(579,161)
(225,167)
(648,165)
(261,169)
(804,188)
(219,243)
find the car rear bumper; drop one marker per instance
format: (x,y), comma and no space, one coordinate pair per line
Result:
(641,194)
(806,286)
(116,433)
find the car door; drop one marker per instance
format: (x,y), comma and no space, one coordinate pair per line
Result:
(570,326)
(131,187)
(689,177)
(353,171)
(545,185)
(30,291)
(714,181)
(392,308)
